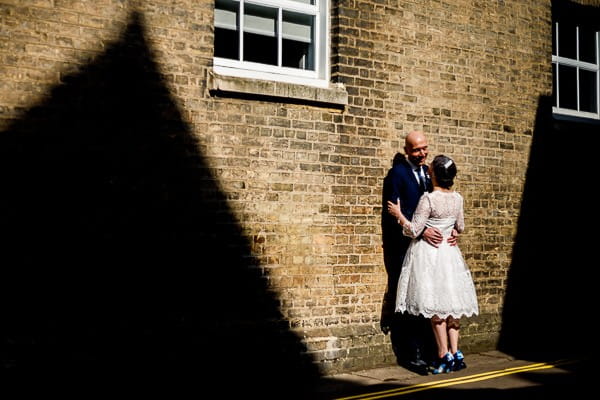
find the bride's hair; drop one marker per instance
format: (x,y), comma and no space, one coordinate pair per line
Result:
(444,169)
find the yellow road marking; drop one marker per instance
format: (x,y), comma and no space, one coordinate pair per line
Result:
(456,381)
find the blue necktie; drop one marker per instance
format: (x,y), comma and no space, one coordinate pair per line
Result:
(421,179)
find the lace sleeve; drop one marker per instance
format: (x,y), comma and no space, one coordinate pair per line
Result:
(415,227)
(460,217)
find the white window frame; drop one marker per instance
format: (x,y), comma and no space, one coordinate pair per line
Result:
(246,69)
(579,65)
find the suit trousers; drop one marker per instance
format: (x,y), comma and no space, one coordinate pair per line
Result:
(411,336)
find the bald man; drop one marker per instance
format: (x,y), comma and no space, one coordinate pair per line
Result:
(412,337)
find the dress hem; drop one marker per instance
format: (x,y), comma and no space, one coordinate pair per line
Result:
(441,315)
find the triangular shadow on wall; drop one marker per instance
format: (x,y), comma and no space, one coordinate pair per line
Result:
(121,260)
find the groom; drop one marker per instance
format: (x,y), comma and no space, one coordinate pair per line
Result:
(412,337)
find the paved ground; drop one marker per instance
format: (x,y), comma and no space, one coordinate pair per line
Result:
(490,375)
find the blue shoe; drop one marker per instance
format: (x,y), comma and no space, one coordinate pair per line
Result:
(445,364)
(459,361)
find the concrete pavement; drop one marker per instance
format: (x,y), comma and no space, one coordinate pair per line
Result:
(489,375)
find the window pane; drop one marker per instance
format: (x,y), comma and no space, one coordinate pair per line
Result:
(567,41)
(260,49)
(227,38)
(567,87)
(554,28)
(587,91)
(554,103)
(305,1)
(226,14)
(260,34)
(587,45)
(227,44)
(260,20)
(298,40)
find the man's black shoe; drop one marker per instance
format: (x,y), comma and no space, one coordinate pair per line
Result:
(386,329)
(418,366)
(385,323)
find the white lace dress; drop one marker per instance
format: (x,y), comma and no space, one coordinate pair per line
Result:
(436,281)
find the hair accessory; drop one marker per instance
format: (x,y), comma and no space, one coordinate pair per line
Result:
(448,163)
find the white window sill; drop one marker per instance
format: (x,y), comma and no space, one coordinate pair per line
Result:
(334,94)
(572,115)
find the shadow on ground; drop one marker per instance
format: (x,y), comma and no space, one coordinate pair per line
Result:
(540,384)
(122,263)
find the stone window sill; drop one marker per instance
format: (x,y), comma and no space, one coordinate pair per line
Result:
(231,86)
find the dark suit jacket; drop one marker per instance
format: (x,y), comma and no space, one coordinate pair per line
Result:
(412,337)
(399,182)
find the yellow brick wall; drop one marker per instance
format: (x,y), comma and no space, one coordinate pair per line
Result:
(302,181)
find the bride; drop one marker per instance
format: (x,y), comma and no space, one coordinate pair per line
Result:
(435,281)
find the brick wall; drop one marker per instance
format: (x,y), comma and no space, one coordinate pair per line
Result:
(302,181)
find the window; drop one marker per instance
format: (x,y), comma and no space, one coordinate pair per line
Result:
(575,67)
(281,40)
